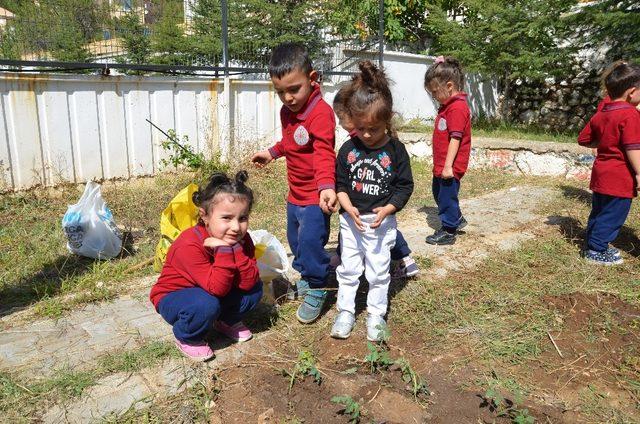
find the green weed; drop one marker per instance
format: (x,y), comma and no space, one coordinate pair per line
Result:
(305,366)
(351,408)
(414,381)
(378,355)
(180,152)
(504,407)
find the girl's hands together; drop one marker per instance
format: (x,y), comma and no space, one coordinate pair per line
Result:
(354,213)
(381,213)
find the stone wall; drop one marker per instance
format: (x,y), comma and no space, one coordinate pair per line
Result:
(557,105)
(518,156)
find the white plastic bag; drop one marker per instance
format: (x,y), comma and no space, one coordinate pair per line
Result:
(90,228)
(270,255)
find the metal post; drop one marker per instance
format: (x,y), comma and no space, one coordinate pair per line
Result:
(381,33)
(225,37)
(226,136)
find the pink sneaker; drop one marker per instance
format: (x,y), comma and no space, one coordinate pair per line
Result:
(197,352)
(238,331)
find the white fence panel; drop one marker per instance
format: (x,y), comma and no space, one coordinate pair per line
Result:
(75,128)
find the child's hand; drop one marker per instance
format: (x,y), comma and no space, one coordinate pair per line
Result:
(213,242)
(328,201)
(447,172)
(381,213)
(261,158)
(355,214)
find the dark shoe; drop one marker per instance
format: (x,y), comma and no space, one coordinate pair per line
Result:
(602,258)
(463,223)
(441,238)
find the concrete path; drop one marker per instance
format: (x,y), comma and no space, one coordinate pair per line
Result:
(499,220)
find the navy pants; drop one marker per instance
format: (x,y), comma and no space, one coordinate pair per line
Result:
(608,214)
(192,311)
(307,233)
(445,192)
(401,248)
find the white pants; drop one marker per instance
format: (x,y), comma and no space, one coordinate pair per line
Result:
(369,250)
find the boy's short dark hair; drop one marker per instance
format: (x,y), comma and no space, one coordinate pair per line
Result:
(620,78)
(287,57)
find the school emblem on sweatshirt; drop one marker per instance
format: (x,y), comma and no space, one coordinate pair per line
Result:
(301,136)
(442,124)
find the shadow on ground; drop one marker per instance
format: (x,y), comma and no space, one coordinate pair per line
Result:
(573,230)
(576,193)
(431,214)
(48,281)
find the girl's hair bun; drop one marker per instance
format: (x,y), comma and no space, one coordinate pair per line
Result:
(196,198)
(242,176)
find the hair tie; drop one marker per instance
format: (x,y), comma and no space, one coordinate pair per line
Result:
(439,59)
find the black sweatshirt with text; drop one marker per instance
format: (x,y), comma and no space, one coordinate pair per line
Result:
(374,177)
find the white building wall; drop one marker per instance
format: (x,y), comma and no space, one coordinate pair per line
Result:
(56,128)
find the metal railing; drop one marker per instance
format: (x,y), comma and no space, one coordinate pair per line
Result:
(207,37)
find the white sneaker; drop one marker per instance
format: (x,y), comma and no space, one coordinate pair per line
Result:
(343,325)
(376,327)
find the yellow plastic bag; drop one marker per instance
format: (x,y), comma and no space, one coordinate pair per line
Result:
(180,215)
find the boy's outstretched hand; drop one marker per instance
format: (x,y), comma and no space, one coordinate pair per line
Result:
(261,158)
(381,213)
(328,201)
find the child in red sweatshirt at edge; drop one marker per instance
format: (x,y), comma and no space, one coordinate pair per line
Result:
(615,131)
(308,141)
(210,277)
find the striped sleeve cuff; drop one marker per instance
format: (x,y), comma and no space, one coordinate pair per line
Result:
(326,186)
(274,153)
(632,146)
(455,134)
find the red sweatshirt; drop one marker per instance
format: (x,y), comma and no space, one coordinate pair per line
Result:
(616,129)
(308,142)
(453,121)
(218,270)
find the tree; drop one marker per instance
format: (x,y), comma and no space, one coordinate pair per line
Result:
(610,25)
(255,27)
(135,39)
(168,40)
(58,29)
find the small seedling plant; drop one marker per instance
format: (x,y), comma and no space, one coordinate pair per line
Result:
(351,408)
(305,366)
(504,407)
(414,381)
(378,357)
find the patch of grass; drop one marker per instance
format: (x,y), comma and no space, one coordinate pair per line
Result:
(193,405)
(20,401)
(496,128)
(595,403)
(135,360)
(24,398)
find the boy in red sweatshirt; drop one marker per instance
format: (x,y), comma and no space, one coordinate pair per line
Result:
(308,141)
(615,131)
